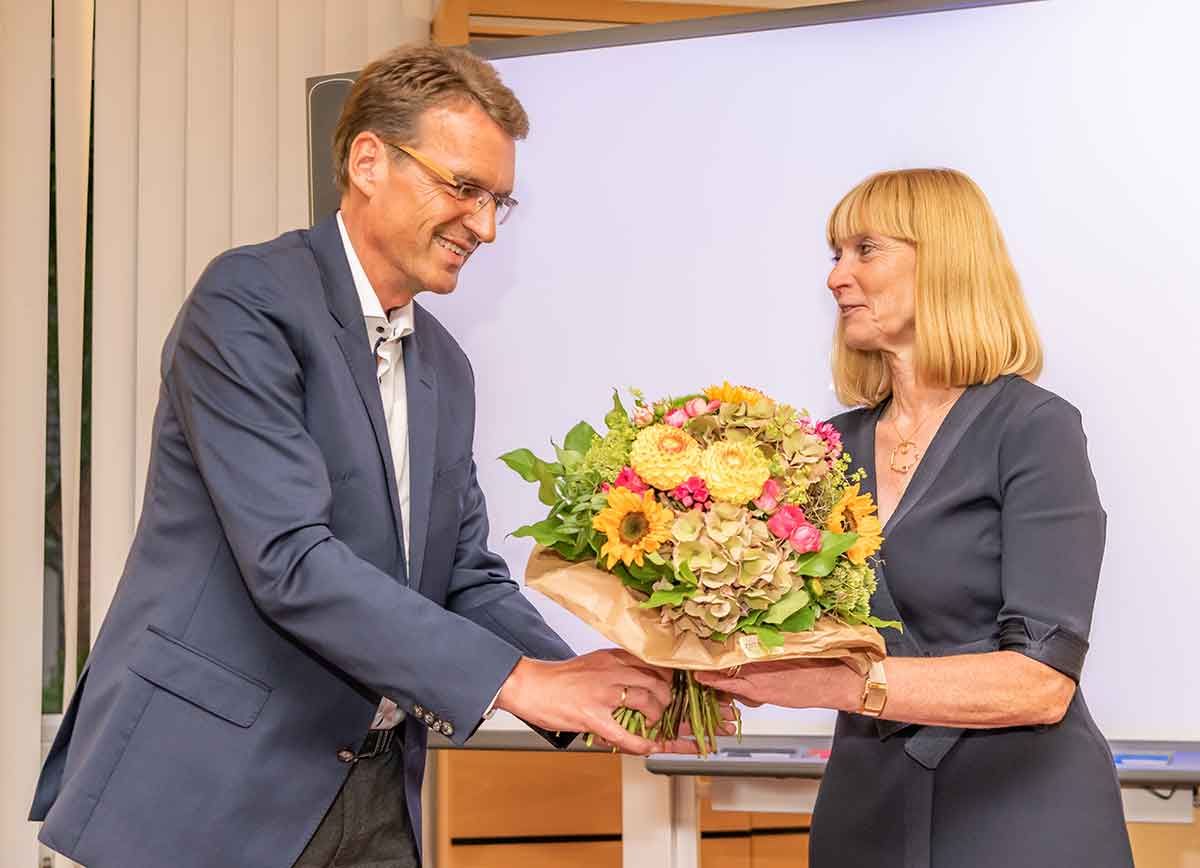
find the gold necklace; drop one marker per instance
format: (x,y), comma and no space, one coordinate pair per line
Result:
(906,448)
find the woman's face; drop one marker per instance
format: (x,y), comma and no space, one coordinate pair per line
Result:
(874,280)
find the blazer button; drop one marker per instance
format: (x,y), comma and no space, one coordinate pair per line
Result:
(419,711)
(429,718)
(345,755)
(447,729)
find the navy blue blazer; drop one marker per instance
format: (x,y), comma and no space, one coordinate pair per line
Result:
(265,606)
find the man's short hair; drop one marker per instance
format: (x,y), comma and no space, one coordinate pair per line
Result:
(393,91)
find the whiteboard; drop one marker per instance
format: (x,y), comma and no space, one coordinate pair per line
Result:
(671,234)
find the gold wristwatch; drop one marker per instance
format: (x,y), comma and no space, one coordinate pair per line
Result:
(874,696)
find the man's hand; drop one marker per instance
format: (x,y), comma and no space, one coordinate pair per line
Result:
(579,695)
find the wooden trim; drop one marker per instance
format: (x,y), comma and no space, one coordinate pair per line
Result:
(611,11)
(450,23)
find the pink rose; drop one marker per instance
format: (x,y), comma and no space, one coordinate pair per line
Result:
(677,417)
(642,416)
(790,524)
(805,538)
(784,522)
(696,407)
(768,501)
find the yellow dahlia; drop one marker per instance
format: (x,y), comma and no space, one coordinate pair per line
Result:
(734,471)
(665,456)
(855,513)
(633,524)
(734,394)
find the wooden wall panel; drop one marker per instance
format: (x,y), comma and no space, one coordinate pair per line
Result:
(1163,845)
(726,853)
(599,854)
(510,793)
(779,851)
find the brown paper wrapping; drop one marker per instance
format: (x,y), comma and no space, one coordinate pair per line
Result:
(604,603)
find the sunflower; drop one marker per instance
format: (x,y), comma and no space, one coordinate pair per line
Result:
(855,513)
(735,471)
(728,394)
(633,524)
(665,456)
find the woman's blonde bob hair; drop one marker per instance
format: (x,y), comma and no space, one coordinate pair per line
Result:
(972,323)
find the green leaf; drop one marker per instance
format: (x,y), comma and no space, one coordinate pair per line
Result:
(881,624)
(629,581)
(579,439)
(802,621)
(749,620)
(547,477)
(768,636)
(522,461)
(821,563)
(686,574)
(566,549)
(616,417)
(544,532)
(568,458)
(791,603)
(673,597)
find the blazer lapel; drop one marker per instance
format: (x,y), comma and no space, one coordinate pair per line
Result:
(326,243)
(421,384)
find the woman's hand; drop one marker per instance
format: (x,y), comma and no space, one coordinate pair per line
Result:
(791,683)
(968,691)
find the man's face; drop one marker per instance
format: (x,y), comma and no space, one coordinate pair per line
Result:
(422,233)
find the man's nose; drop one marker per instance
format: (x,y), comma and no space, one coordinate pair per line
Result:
(483,223)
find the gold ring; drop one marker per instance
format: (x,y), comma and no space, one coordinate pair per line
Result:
(624,693)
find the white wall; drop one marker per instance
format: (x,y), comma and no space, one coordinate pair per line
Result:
(671,234)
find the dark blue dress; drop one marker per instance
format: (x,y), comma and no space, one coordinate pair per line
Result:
(995,545)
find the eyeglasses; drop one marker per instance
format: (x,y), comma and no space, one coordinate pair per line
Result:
(463,191)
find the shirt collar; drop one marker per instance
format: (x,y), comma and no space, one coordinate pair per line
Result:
(401,318)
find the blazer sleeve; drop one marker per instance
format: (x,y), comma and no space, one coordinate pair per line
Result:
(235,378)
(1053,530)
(482,591)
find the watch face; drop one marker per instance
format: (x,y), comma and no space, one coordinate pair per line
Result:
(874,698)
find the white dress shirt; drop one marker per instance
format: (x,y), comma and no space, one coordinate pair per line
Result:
(384,334)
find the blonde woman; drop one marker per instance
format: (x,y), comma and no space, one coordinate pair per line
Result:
(972,744)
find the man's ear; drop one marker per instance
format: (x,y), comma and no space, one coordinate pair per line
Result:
(368,162)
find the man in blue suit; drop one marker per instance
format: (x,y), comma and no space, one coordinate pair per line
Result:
(310,590)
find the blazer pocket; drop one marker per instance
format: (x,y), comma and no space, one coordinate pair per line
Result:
(192,675)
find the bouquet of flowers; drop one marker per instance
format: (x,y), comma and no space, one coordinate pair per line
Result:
(704,532)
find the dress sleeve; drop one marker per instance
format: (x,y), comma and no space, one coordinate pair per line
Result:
(1053,537)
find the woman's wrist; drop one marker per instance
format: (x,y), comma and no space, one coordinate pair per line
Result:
(849,688)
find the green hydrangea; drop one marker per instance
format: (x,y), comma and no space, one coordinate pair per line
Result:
(737,564)
(848,589)
(608,454)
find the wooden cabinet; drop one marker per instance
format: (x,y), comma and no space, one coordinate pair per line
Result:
(535,809)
